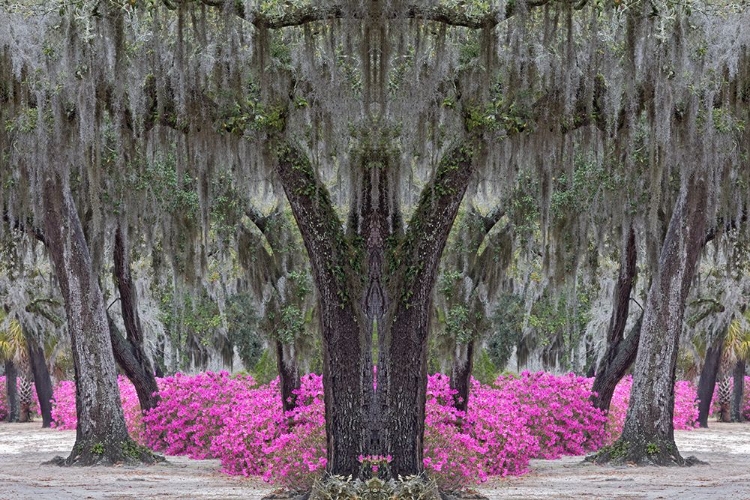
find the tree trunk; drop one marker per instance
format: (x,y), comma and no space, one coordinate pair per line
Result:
(347,365)
(648,433)
(129,353)
(101,435)
(738,389)
(707,381)
(621,351)
(42,379)
(11,385)
(395,298)
(402,367)
(463,361)
(286,360)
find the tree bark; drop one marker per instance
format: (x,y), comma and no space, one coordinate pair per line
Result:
(347,365)
(402,366)
(463,362)
(101,435)
(11,385)
(130,353)
(707,381)
(42,379)
(648,433)
(288,374)
(737,390)
(621,351)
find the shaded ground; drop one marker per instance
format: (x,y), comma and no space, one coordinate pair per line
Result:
(23,447)
(726,448)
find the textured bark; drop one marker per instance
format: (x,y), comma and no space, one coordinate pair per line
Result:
(621,351)
(130,353)
(101,435)
(463,362)
(347,372)
(288,374)
(739,385)
(648,433)
(707,381)
(42,379)
(402,368)
(11,386)
(395,298)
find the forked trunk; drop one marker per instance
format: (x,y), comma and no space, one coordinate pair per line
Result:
(101,435)
(621,351)
(129,352)
(648,433)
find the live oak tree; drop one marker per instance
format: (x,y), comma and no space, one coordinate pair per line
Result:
(374,118)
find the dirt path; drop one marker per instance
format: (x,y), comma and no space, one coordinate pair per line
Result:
(726,448)
(23,447)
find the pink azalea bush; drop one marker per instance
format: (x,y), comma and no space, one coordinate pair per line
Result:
(192,412)
(217,415)
(64,407)
(558,411)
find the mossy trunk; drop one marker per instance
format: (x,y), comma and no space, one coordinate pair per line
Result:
(402,368)
(101,435)
(648,433)
(346,376)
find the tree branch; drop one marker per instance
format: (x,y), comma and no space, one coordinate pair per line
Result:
(298,16)
(419,253)
(321,229)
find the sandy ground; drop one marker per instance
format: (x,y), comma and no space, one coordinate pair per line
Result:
(726,448)
(23,448)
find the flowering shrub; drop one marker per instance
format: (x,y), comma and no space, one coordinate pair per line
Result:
(215,415)
(558,411)
(64,405)
(192,412)
(453,454)
(297,455)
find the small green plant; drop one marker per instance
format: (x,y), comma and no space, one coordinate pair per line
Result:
(652,449)
(97,448)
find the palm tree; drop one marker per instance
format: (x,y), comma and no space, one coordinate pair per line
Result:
(735,353)
(18,380)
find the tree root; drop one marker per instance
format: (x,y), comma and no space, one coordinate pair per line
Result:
(109,453)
